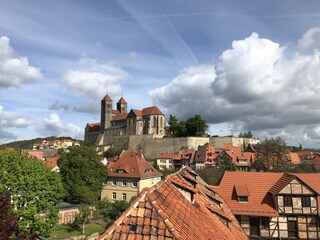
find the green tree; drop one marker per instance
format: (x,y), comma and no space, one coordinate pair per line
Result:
(271,152)
(196,125)
(34,190)
(111,210)
(82,173)
(81,218)
(174,124)
(8,220)
(210,175)
(228,165)
(112,152)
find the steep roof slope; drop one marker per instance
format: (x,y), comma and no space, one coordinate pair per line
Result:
(180,207)
(132,164)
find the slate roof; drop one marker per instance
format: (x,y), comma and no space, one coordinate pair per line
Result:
(133,165)
(165,211)
(261,188)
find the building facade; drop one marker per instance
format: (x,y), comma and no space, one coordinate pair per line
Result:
(128,175)
(274,205)
(120,122)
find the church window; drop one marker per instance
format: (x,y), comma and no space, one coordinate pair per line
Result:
(154,121)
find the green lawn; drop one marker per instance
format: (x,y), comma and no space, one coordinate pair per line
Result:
(63,231)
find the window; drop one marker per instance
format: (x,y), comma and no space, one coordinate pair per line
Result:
(163,160)
(287,201)
(264,222)
(148,170)
(120,171)
(124,182)
(114,182)
(154,121)
(135,184)
(243,199)
(305,201)
(292,229)
(114,195)
(254,226)
(124,196)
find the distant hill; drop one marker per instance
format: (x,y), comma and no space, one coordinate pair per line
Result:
(28,144)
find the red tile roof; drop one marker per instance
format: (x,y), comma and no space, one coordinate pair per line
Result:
(122,100)
(261,187)
(294,158)
(154,110)
(164,212)
(133,165)
(52,162)
(136,112)
(106,98)
(115,112)
(94,126)
(120,117)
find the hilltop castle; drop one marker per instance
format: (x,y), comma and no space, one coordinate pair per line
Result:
(118,122)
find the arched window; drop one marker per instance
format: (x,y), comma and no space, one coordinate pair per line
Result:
(154,121)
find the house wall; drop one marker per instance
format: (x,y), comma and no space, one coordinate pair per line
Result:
(67,215)
(148,182)
(108,189)
(165,163)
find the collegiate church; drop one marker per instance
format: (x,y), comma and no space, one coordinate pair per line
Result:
(119,122)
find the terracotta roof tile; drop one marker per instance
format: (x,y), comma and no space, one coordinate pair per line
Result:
(154,110)
(131,164)
(106,98)
(94,126)
(122,100)
(261,187)
(174,216)
(120,117)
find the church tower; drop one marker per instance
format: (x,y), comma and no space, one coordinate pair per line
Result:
(106,113)
(122,105)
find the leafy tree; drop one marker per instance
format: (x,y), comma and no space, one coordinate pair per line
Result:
(112,152)
(271,152)
(8,220)
(34,190)
(210,175)
(258,166)
(195,125)
(111,210)
(228,165)
(190,127)
(82,173)
(246,134)
(81,218)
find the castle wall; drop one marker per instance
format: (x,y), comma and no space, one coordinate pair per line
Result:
(217,142)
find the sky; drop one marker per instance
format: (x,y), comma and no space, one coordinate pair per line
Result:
(242,65)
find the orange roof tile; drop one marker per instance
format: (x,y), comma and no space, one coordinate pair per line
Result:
(136,112)
(154,110)
(94,126)
(261,186)
(164,212)
(131,164)
(122,100)
(106,98)
(241,190)
(294,158)
(120,117)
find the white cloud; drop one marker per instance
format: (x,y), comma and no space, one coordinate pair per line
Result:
(310,40)
(93,79)
(14,70)
(132,55)
(9,121)
(253,85)
(53,126)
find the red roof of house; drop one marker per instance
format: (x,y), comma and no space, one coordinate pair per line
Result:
(120,116)
(52,162)
(165,212)
(122,100)
(106,98)
(133,165)
(136,112)
(115,112)
(94,126)
(154,110)
(261,186)
(236,155)
(294,158)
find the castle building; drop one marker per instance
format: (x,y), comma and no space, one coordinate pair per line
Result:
(120,122)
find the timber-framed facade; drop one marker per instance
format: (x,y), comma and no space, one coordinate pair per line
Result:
(274,205)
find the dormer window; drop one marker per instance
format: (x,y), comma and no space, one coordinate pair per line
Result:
(149,170)
(243,199)
(121,171)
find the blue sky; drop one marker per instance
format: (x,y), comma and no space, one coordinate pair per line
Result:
(240,64)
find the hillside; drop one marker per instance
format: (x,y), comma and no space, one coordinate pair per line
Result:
(28,144)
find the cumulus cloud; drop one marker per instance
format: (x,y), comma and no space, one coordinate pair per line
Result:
(9,121)
(92,108)
(94,79)
(57,106)
(253,85)
(15,70)
(310,40)
(53,126)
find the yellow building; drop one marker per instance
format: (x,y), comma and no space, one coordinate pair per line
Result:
(128,175)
